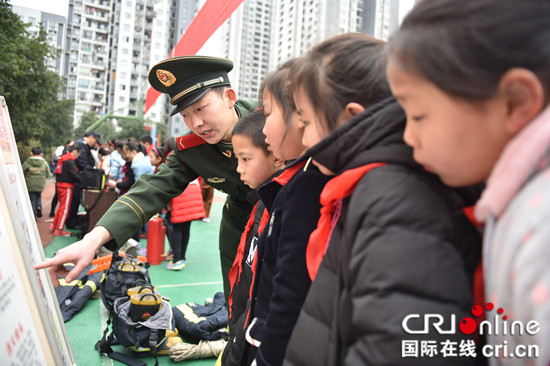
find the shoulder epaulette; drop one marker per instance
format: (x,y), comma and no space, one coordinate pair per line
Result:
(189,141)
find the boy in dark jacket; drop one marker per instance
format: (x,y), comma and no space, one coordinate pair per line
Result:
(66,175)
(36,171)
(256,165)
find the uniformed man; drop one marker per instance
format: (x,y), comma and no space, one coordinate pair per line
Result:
(200,91)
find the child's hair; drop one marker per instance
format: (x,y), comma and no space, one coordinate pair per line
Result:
(73,148)
(146,138)
(168,145)
(251,126)
(36,150)
(343,69)
(159,151)
(103,151)
(464,47)
(131,145)
(277,83)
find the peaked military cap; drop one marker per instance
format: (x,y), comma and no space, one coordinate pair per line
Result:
(187,78)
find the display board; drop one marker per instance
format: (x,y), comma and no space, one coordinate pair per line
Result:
(33,329)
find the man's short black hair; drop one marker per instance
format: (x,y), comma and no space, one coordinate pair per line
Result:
(36,150)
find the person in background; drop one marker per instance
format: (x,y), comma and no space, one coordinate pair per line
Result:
(474,80)
(156,156)
(146,141)
(104,161)
(186,207)
(36,170)
(136,165)
(116,161)
(257,165)
(60,150)
(66,177)
(85,161)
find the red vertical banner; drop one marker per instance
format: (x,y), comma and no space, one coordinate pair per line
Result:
(211,16)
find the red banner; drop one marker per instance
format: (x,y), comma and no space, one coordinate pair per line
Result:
(208,19)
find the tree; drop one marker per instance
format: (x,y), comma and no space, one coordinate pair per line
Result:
(130,128)
(106,130)
(30,88)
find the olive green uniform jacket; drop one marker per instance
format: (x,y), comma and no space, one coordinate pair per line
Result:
(216,164)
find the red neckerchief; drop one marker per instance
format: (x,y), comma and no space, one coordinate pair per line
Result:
(237,267)
(62,159)
(335,191)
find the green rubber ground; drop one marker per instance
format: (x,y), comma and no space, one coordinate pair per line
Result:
(200,279)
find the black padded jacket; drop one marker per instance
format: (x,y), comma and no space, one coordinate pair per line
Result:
(401,246)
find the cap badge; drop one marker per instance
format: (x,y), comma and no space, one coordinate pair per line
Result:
(166,77)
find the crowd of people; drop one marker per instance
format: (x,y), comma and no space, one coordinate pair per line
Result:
(370,191)
(123,162)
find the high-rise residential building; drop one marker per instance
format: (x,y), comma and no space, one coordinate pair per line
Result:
(185,12)
(262,35)
(88,53)
(131,52)
(55,27)
(246,40)
(381,18)
(300,24)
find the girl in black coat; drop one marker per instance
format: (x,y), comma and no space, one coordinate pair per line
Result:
(281,281)
(396,240)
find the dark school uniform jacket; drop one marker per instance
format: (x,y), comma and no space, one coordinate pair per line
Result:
(241,278)
(281,280)
(401,246)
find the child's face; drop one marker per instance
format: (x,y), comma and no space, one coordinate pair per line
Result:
(458,140)
(75,154)
(155,159)
(286,144)
(314,131)
(254,166)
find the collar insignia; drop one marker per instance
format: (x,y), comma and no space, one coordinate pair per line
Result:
(166,77)
(215,180)
(227,153)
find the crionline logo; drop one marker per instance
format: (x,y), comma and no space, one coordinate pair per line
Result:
(498,325)
(468,325)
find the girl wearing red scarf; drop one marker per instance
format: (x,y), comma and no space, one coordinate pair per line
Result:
(392,239)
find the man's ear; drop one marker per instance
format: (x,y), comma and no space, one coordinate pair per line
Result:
(524,97)
(351,110)
(231,96)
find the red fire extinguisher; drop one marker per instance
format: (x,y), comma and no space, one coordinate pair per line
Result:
(156,232)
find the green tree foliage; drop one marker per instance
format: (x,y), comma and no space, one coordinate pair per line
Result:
(130,128)
(106,129)
(30,88)
(87,119)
